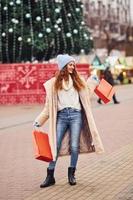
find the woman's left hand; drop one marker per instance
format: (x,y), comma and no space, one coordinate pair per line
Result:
(36,124)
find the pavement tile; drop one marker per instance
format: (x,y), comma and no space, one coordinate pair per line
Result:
(99,177)
(102,187)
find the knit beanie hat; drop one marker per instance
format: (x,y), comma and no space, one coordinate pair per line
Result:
(64,59)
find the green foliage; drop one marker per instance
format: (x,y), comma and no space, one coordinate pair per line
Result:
(43,29)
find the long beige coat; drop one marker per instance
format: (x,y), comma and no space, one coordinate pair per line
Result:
(89,138)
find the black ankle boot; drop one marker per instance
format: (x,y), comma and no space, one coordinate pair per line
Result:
(116,102)
(99,101)
(50,180)
(71,173)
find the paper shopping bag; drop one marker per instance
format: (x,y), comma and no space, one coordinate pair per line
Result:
(41,146)
(104,91)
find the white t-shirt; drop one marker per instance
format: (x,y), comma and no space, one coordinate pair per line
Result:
(68,98)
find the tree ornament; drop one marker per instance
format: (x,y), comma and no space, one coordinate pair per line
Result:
(59,21)
(38,18)
(82,6)
(82,50)
(75,31)
(27,15)
(28,39)
(19,39)
(56,26)
(83,23)
(47,19)
(85,35)
(3,34)
(5,8)
(18,2)
(77,9)
(48,30)
(40,35)
(69,15)
(59,29)
(11,3)
(68,34)
(87,38)
(10,30)
(57,10)
(58,1)
(15,21)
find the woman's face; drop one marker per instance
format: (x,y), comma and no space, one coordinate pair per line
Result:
(70,67)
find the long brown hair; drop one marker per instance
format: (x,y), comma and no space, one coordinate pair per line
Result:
(64,74)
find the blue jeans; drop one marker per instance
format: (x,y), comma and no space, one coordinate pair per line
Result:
(68,118)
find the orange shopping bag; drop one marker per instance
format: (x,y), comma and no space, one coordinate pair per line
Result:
(104,90)
(41,146)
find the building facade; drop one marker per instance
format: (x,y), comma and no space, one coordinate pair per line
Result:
(109,22)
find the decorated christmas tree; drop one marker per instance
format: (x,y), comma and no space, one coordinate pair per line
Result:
(41,29)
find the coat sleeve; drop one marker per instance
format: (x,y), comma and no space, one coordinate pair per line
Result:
(44,115)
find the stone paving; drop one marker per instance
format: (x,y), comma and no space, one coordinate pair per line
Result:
(99,177)
(108,178)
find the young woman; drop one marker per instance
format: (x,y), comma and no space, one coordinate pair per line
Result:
(72,129)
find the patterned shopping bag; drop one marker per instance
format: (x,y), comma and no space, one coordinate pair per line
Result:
(104,91)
